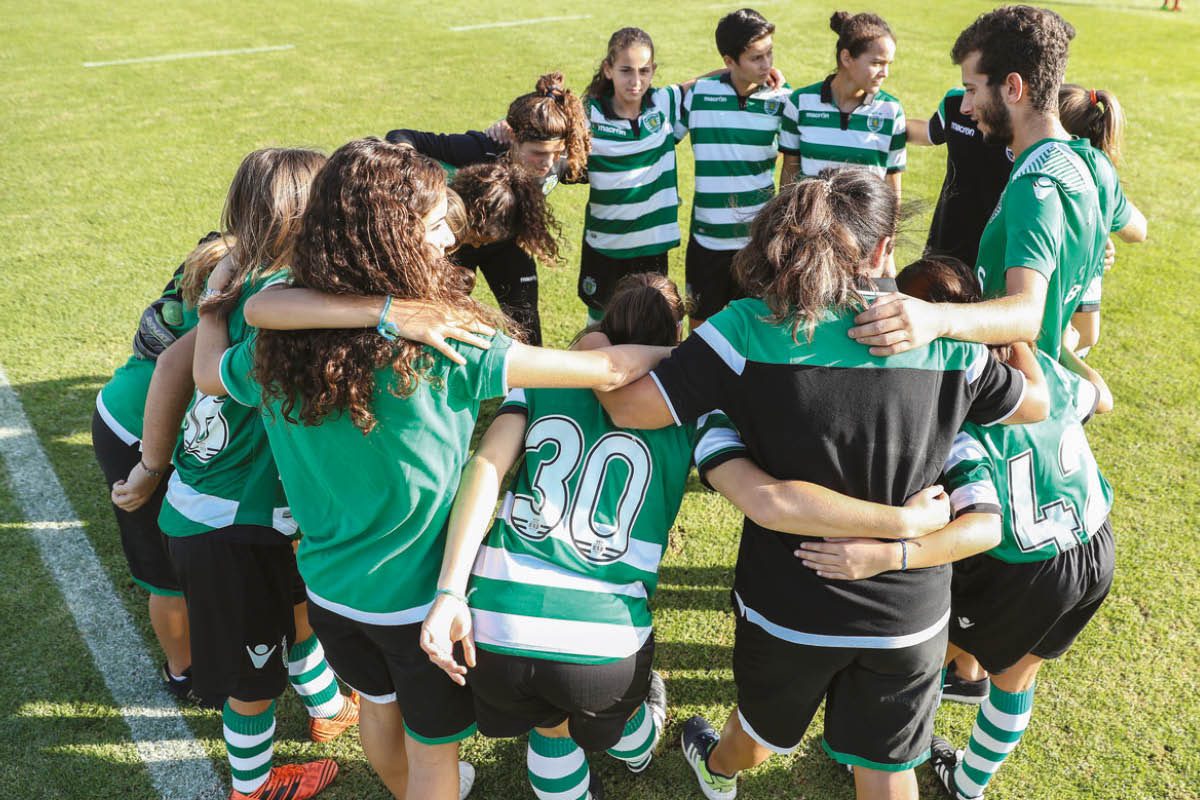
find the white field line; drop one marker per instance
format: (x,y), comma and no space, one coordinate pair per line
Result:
(182,56)
(517,22)
(178,765)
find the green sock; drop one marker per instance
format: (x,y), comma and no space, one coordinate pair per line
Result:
(558,769)
(313,680)
(999,724)
(250,745)
(594,316)
(637,740)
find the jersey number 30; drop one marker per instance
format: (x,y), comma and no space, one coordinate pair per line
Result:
(601,535)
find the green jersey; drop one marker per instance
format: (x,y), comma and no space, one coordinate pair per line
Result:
(633,199)
(374,507)
(1115,210)
(1048,220)
(734,140)
(1042,479)
(571,562)
(121,403)
(224,474)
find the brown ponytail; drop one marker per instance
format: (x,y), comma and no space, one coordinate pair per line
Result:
(552,111)
(856,32)
(645,308)
(1095,115)
(199,263)
(813,241)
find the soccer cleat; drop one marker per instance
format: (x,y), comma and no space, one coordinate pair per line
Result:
(656,701)
(466,778)
(698,740)
(293,781)
(958,689)
(181,690)
(326,730)
(943,758)
(595,788)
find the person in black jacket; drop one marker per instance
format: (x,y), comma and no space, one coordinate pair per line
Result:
(550,139)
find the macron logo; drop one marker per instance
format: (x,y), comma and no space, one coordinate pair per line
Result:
(964,622)
(259,654)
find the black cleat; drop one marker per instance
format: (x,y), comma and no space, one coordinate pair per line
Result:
(943,758)
(958,689)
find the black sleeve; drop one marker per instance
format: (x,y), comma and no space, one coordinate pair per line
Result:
(693,379)
(456,149)
(996,390)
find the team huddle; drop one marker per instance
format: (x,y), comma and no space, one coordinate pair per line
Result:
(288,447)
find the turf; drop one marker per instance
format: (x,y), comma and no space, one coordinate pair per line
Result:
(110,175)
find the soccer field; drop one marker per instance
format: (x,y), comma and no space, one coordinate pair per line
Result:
(111,172)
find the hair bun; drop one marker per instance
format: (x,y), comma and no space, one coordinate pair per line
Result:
(837,21)
(550,85)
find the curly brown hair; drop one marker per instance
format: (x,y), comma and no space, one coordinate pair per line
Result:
(1031,42)
(812,242)
(551,111)
(503,202)
(363,233)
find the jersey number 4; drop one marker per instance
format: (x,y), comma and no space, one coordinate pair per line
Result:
(601,535)
(1057,522)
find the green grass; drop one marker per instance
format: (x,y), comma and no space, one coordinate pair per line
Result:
(111,174)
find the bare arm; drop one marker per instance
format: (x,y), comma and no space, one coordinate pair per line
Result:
(791,168)
(449,619)
(1035,403)
(212,340)
(809,509)
(604,369)
(894,180)
(852,559)
(1084,370)
(1136,229)
(917,131)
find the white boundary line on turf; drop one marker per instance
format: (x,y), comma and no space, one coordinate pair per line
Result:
(182,56)
(516,22)
(178,766)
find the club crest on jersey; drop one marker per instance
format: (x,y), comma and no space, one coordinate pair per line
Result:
(772,107)
(875,122)
(205,430)
(550,183)
(589,285)
(653,122)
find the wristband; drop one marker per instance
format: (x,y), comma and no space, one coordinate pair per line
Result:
(208,294)
(385,327)
(153,473)
(451,593)
(903,555)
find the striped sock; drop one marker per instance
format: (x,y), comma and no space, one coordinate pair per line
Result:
(558,769)
(594,316)
(250,745)
(313,680)
(637,740)
(999,724)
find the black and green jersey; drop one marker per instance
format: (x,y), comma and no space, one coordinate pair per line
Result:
(374,507)
(224,474)
(121,402)
(571,562)
(1042,479)
(872,136)
(828,412)
(1048,220)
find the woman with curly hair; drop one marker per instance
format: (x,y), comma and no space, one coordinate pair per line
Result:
(545,133)
(370,433)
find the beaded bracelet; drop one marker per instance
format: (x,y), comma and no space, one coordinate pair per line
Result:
(451,593)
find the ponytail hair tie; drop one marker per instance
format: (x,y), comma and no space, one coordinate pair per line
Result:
(1092,92)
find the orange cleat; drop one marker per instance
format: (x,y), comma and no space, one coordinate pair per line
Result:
(326,730)
(293,781)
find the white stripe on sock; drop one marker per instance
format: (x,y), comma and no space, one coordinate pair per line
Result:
(245,740)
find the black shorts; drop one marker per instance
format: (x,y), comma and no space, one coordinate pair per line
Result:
(511,274)
(600,274)
(514,694)
(241,586)
(710,282)
(144,544)
(1000,612)
(879,704)
(385,664)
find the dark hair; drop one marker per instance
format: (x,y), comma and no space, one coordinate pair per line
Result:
(1095,115)
(645,308)
(812,242)
(945,279)
(1031,42)
(618,43)
(856,32)
(502,201)
(363,233)
(553,112)
(738,30)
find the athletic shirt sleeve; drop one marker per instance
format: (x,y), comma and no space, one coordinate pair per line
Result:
(897,159)
(969,478)
(937,122)
(1122,210)
(485,375)
(996,389)
(694,379)
(455,149)
(1034,218)
(789,128)
(237,374)
(716,441)
(675,97)
(1084,394)
(515,402)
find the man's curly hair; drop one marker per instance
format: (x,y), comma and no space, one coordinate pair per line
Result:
(1031,42)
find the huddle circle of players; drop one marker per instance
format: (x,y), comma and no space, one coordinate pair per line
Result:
(288,446)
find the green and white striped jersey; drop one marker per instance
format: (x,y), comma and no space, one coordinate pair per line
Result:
(633,202)
(224,473)
(572,559)
(872,135)
(735,142)
(1042,479)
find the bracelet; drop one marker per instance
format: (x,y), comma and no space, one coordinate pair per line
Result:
(153,473)
(903,555)
(385,327)
(451,593)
